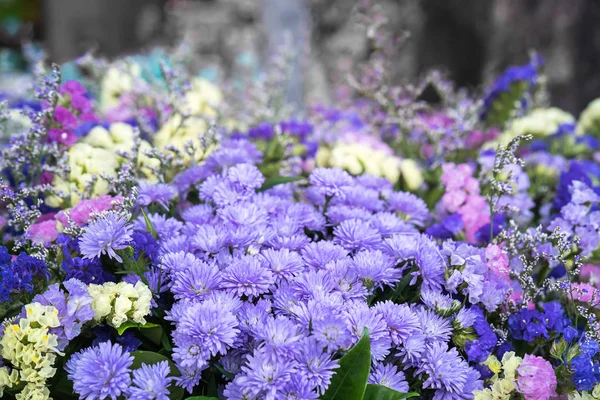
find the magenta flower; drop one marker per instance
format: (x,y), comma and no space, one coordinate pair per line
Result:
(536,379)
(43,232)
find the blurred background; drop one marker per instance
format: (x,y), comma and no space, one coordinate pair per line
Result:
(471,40)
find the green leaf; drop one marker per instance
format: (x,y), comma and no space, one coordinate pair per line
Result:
(278,180)
(350,379)
(130,324)
(379,392)
(148,357)
(149,226)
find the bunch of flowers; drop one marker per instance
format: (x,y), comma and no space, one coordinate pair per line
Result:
(163,239)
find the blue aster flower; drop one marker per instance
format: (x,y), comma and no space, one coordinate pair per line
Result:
(195,281)
(315,364)
(159,193)
(443,369)
(354,234)
(106,235)
(203,330)
(245,177)
(408,207)
(331,182)
(151,382)
(100,372)
(375,268)
(319,254)
(247,276)
(265,376)
(283,263)
(389,376)
(360,316)
(401,321)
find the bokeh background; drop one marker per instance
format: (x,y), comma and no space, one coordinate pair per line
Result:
(471,40)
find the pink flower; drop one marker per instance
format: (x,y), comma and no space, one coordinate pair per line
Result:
(65,118)
(62,136)
(472,185)
(452,200)
(498,261)
(46,177)
(585,293)
(536,379)
(81,103)
(591,273)
(72,88)
(43,232)
(80,214)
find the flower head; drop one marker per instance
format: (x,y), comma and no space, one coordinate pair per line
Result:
(106,235)
(100,372)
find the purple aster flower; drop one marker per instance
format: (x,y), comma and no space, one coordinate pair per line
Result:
(106,235)
(279,336)
(173,263)
(151,382)
(209,239)
(245,177)
(312,284)
(204,330)
(360,316)
(465,318)
(361,197)
(246,276)
(375,269)
(319,254)
(443,368)
(354,234)
(100,372)
(388,375)
(164,227)
(199,214)
(472,383)
(265,376)
(388,224)
(251,316)
(195,281)
(243,214)
(346,280)
(374,182)
(283,263)
(337,214)
(431,264)
(315,365)
(401,321)
(409,207)
(435,327)
(402,247)
(299,388)
(332,332)
(160,193)
(331,181)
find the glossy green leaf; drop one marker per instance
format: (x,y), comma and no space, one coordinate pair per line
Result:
(350,379)
(379,392)
(278,180)
(130,324)
(148,357)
